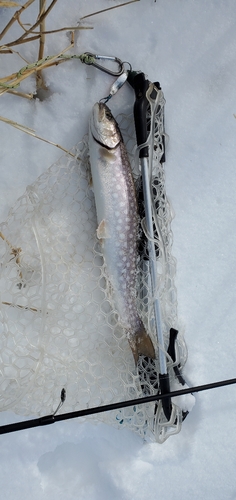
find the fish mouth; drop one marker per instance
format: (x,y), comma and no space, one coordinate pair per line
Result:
(103,112)
(98,112)
(103,127)
(97,118)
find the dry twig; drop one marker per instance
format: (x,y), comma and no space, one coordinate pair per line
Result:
(12,81)
(21,94)
(9,4)
(109,8)
(39,76)
(41,18)
(32,132)
(15,17)
(27,308)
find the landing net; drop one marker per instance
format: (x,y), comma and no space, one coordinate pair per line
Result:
(59,326)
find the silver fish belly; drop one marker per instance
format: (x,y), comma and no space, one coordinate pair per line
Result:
(117,216)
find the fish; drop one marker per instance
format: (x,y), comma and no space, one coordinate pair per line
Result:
(117,217)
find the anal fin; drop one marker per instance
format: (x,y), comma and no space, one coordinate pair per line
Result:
(102,230)
(141,344)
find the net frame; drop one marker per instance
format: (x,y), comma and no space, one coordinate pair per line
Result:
(59,325)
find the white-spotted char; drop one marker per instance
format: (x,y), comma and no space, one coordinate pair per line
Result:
(117,215)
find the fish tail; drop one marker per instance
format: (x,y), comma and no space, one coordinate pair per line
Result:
(141,344)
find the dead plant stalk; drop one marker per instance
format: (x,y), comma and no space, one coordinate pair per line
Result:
(39,76)
(15,17)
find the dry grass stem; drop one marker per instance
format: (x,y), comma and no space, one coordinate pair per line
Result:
(42,5)
(35,37)
(28,130)
(39,76)
(12,81)
(56,145)
(41,18)
(6,240)
(109,8)
(9,4)
(21,39)
(15,17)
(27,308)
(32,132)
(66,28)
(20,94)
(11,51)
(21,24)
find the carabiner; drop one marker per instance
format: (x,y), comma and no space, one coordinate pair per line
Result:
(89,58)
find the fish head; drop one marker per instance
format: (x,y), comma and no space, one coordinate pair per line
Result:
(104,127)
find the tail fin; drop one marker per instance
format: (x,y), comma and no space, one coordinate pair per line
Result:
(141,344)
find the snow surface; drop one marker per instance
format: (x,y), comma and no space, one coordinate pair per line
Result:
(190,47)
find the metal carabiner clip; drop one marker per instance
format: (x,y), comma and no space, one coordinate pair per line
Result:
(89,58)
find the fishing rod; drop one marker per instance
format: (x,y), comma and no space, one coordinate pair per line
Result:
(51,419)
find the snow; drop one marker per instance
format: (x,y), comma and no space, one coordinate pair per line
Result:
(190,47)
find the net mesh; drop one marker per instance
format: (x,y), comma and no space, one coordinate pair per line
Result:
(59,326)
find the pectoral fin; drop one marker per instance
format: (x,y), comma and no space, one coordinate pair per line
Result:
(107,155)
(102,231)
